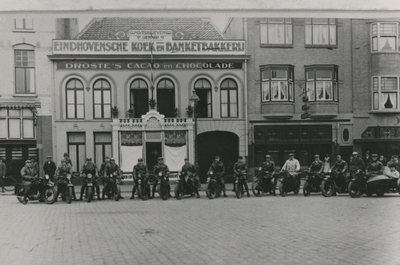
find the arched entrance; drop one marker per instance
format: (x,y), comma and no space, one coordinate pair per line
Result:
(224,144)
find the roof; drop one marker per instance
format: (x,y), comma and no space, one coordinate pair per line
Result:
(118,27)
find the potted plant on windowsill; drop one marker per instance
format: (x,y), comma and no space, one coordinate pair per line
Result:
(152,103)
(131,113)
(189,110)
(115,111)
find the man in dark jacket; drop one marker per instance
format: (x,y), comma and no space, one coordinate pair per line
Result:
(29,178)
(3,170)
(140,169)
(374,167)
(89,168)
(163,168)
(189,168)
(49,168)
(356,165)
(218,168)
(238,168)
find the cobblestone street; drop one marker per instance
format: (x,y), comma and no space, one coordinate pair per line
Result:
(266,230)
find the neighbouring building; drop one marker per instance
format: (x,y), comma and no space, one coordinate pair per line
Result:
(123,63)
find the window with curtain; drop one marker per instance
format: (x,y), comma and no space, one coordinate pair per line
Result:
(322,83)
(229,98)
(17,124)
(276,31)
(102,146)
(204,106)
(277,83)
(139,97)
(384,36)
(102,99)
(321,31)
(24,72)
(166,97)
(385,93)
(76,149)
(74,99)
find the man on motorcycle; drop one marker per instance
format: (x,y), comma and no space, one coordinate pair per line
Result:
(139,169)
(394,161)
(190,168)
(219,169)
(109,170)
(292,165)
(316,167)
(103,168)
(62,169)
(89,168)
(28,176)
(160,167)
(340,166)
(374,167)
(356,165)
(237,168)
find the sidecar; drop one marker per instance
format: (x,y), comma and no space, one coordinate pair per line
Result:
(382,184)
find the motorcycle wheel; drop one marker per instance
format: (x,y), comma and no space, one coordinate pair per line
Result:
(69,195)
(297,189)
(142,193)
(89,194)
(49,195)
(117,194)
(20,191)
(257,188)
(163,191)
(354,190)
(179,192)
(273,189)
(398,187)
(238,189)
(282,191)
(327,188)
(306,189)
(211,191)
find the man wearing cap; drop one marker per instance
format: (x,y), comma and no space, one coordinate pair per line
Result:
(190,168)
(35,165)
(316,166)
(49,168)
(237,168)
(3,170)
(28,175)
(374,167)
(268,168)
(140,169)
(67,160)
(102,168)
(89,168)
(219,169)
(109,170)
(292,165)
(356,165)
(63,169)
(161,167)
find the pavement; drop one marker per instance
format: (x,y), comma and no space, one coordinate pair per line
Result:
(256,230)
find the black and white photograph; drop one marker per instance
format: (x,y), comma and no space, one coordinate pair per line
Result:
(199,132)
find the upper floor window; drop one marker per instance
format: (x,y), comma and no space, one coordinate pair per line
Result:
(385,93)
(229,98)
(384,36)
(23,23)
(139,97)
(24,71)
(102,99)
(75,101)
(320,31)
(166,97)
(17,123)
(203,91)
(322,83)
(276,31)
(277,83)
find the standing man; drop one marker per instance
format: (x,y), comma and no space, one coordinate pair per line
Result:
(35,165)
(67,160)
(190,168)
(237,168)
(160,167)
(356,165)
(49,168)
(367,158)
(292,165)
(140,169)
(3,169)
(219,169)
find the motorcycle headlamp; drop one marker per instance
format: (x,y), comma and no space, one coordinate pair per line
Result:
(46,176)
(89,176)
(259,168)
(160,174)
(211,172)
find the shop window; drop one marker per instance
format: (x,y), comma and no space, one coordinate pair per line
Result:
(320,32)
(23,23)
(385,93)
(384,36)
(24,71)
(322,83)
(102,146)
(277,83)
(276,32)
(203,91)
(166,97)
(17,124)
(75,99)
(77,149)
(229,99)
(102,99)
(139,97)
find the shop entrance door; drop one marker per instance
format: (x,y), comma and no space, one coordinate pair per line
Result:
(153,152)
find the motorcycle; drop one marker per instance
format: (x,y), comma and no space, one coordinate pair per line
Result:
(239,183)
(65,187)
(382,184)
(112,187)
(163,186)
(91,180)
(358,185)
(264,182)
(213,185)
(182,187)
(41,189)
(143,189)
(335,182)
(287,183)
(313,183)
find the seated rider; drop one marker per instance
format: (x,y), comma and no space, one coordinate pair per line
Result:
(356,164)
(29,175)
(63,169)
(393,173)
(160,167)
(340,166)
(103,168)
(316,166)
(237,168)
(374,167)
(190,168)
(292,165)
(89,168)
(110,169)
(218,168)
(139,169)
